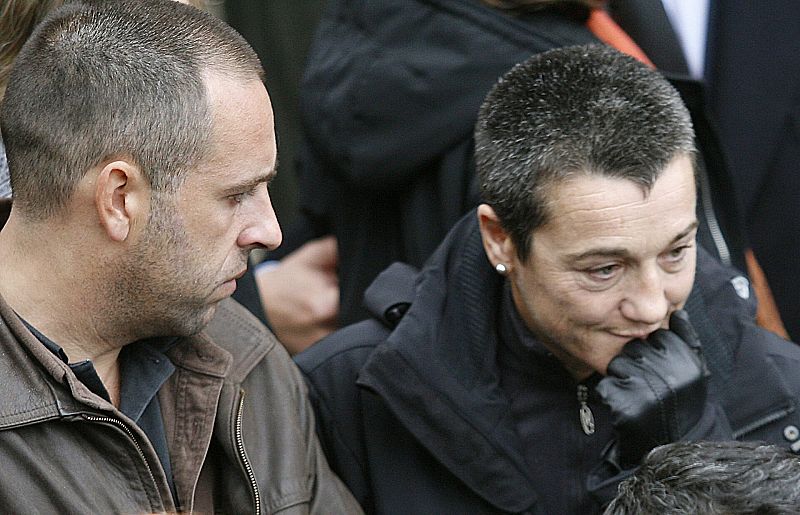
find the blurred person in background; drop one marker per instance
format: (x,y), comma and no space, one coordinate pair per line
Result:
(388,104)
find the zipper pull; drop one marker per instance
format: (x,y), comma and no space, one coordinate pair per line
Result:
(586,415)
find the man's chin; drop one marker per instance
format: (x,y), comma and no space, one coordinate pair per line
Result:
(191,325)
(208,316)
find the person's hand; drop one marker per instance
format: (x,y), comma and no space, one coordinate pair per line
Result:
(656,389)
(301,294)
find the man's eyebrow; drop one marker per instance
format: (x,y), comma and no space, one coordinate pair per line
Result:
(251,183)
(621,253)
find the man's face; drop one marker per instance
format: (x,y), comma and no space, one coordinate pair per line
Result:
(611,265)
(196,243)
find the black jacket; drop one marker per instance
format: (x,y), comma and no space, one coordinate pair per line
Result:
(413,420)
(389,101)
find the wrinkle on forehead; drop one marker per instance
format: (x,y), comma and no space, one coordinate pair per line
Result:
(596,210)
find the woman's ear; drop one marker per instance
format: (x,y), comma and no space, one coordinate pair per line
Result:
(497,242)
(122,198)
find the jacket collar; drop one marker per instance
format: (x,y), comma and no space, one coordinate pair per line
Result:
(437,372)
(29,396)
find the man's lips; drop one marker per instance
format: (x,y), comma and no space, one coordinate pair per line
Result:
(231,283)
(237,276)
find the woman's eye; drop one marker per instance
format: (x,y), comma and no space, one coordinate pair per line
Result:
(603,273)
(678,253)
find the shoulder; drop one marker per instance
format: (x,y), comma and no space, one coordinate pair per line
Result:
(721,284)
(251,345)
(721,299)
(344,351)
(762,345)
(761,400)
(331,369)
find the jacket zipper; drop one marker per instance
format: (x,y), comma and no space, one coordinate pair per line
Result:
(763,421)
(585,412)
(121,425)
(243,456)
(711,219)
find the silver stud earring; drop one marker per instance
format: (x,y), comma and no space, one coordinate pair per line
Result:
(501,268)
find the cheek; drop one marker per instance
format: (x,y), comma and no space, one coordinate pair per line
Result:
(589,308)
(563,301)
(680,287)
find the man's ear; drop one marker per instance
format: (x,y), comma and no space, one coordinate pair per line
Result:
(497,242)
(122,198)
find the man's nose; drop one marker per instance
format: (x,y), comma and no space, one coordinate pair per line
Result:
(261,229)
(646,300)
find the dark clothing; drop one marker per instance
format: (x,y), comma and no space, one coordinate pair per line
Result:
(754,79)
(751,81)
(389,102)
(5,210)
(436,406)
(237,424)
(83,370)
(542,394)
(144,368)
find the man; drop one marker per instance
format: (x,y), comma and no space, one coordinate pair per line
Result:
(708,478)
(299,316)
(545,347)
(140,142)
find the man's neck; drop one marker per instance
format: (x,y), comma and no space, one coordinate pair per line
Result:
(58,299)
(107,367)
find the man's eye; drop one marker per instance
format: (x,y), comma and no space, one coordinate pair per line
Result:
(238,197)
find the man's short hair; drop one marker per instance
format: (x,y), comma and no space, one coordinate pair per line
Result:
(712,478)
(102,79)
(17,20)
(569,112)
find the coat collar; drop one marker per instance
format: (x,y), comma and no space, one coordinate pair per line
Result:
(437,373)
(38,386)
(26,397)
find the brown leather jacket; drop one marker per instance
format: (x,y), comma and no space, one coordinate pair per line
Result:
(239,429)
